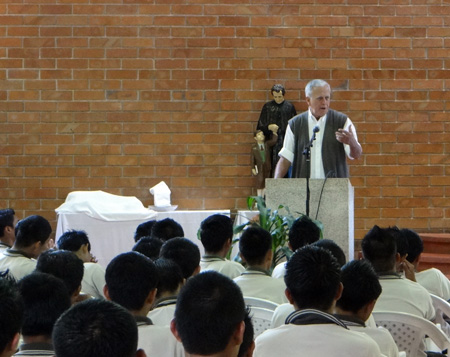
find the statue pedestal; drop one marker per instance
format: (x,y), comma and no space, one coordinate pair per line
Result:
(335,209)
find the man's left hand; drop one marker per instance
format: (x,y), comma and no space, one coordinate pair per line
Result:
(345,137)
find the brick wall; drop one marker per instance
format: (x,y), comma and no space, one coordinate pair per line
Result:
(119,95)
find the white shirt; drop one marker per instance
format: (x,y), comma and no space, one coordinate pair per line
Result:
(93,280)
(223,266)
(435,282)
(159,341)
(317,170)
(279,271)
(18,264)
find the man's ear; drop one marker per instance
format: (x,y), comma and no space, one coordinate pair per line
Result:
(151,296)
(238,335)
(339,292)
(106,292)
(12,346)
(140,353)
(173,328)
(288,294)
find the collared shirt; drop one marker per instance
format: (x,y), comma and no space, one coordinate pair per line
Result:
(36,349)
(143,320)
(313,317)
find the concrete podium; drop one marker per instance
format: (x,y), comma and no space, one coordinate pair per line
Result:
(335,209)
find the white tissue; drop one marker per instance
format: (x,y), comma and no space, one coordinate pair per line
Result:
(161,193)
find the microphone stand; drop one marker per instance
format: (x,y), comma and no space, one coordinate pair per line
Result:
(307,153)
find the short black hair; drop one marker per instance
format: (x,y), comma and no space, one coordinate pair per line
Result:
(313,277)
(415,244)
(6,219)
(130,277)
(215,231)
(209,308)
(379,248)
(400,240)
(95,328)
(144,230)
(166,229)
(63,264)
(302,232)
(149,246)
(249,335)
(278,88)
(170,276)
(45,299)
(254,244)
(32,229)
(361,286)
(73,240)
(183,252)
(335,250)
(11,311)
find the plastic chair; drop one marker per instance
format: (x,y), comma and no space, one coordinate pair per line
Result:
(442,308)
(261,319)
(252,301)
(409,331)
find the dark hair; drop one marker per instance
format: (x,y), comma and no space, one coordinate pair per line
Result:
(64,265)
(215,231)
(313,277)
(400,240)
(166,229)
(249,335)
(32,229)
(130,277)
(11,311)
(302,232)
(95,328)
(254,244)
(335,250)
(379,248)
(149,246)
(73,240)
(183,252)
(278,88)
(45,299)
(361,285)
(209,308)
(144,230)
(415,244)
(6,220)
(170,276)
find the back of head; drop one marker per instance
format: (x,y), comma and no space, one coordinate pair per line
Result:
(303,231)
(361,285)
(166,229)
(73,240)
(314,84)
(415,244)
(379,248)
(149,246)
(45,299)
(183,252)
(130,277)
(6,219)
(170,277)
(313,277)
(254,244)
(64,265)
(209,309)
(215,231)
(401,241)
(11,311)
(95,328)
(144,230)
(32,229)
(334,249)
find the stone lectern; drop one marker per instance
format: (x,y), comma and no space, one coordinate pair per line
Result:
(335,209)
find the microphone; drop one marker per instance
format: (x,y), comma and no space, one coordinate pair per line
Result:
(316,129)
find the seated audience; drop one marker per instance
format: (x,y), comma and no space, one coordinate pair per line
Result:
(361,291)
(399,294)
(96,327)
(148,246)
(8,221)
(170,282)
(32,238)
(166,229)
(11,315)
(255,246)
(216,234)
(183,252)
(209,317)
(144,230)
(66,266)
(303,231)
(313,287)
(94,274)
(45,299)
(431,279)
(335,250)
(131,281)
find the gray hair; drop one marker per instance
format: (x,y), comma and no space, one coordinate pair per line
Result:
(314,84)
